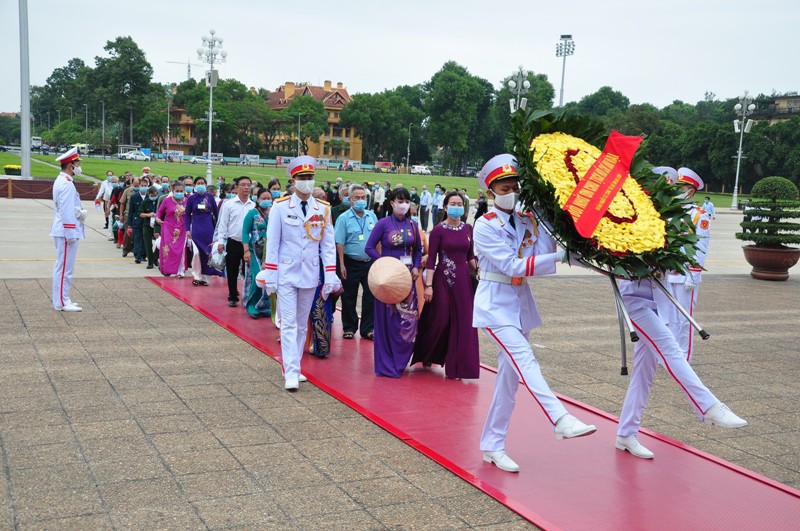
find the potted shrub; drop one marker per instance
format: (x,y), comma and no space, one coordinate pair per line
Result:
(12,169)
(768,224)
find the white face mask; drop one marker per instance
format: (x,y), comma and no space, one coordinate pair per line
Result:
(401,208)
(304,187)
(684,195)
(506,202)
(77,170)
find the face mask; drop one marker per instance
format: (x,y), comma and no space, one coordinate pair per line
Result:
(401,208)
(178,195)
(265,203)
(153,196)
(108,178)
(304,187)
(200,188)
(189,189)
(114,185)
(507,202)
(360,205)
(415,219)
(77,170)
(143,191)
(275,194)
(254,198)
(455,212)
(230,196)
(683,195)
(219,183)
(438,189)
(164,186)
(346,201)
(135,188)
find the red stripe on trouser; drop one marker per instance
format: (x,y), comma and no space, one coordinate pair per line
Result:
(669,370)
(63,270)
(691,330)
(520,374)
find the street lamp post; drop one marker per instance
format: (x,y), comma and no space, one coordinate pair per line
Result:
(741,125)
(408,151)
(86,123)
(298,134)
(563,49)
(211,52)
(103,103)
(520,84)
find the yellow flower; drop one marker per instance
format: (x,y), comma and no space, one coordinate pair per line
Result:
(631,225)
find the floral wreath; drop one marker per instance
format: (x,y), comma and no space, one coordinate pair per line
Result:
(642,229)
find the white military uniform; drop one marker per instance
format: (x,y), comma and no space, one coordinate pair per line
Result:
(656,345)
(507,312)
(66,230)
(676,283)
(295,245)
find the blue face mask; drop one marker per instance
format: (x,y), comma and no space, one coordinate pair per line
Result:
(254,197)
(219,183)
(178,195)
(265,203)
(455,212)
(415,219)
(189,189)
(114,185)
(108,178)
(230,196)
(346,201)
(164,186)
(200,188)
(360,205)
(135,188)
(276,194)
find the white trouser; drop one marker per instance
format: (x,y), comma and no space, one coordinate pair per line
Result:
(677,323)
(295,304)
(62,270)
(515,360)
(656,344)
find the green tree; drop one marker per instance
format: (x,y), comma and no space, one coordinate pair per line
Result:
(605,102)
(313,119)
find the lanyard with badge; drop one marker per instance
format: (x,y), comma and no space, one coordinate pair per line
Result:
(362,223)
(406,258)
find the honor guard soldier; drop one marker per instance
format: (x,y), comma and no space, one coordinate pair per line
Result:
(510,249)
(657,345)
(685,288)
(67,229)
(299,235)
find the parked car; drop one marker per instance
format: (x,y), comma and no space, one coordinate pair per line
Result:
(420,170)
(135,155)
(198,160)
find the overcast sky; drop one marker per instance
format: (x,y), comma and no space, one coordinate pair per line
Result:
(651,51)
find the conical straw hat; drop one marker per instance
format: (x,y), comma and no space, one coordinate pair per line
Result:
(389,280)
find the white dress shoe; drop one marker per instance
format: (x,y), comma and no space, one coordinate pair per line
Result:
(632,444)
(292,384)
(302,378)
(501,460)
(568,427)
(71,307)
(720,415)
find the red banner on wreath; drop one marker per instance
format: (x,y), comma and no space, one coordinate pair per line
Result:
(593,195)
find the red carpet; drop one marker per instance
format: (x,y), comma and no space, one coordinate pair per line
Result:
(573,484)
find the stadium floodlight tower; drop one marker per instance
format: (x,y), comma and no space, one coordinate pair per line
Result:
(564,48)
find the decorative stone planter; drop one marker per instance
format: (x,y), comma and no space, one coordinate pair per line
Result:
(770,264)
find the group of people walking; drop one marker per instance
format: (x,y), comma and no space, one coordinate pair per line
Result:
(298,254)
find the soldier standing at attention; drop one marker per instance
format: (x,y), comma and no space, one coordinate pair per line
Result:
(67,229)
(510,248)
(299,235)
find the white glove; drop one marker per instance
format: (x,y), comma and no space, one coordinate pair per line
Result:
(689,285)
(269,289)
(81,214)
(560,254)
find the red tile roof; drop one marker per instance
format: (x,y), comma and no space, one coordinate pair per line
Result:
(335,98)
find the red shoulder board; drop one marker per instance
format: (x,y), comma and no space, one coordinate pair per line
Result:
(526,214)
(701,210)
(490,215)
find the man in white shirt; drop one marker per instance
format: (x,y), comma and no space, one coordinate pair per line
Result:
(228,234)
(425,202)
(104,194)
(378,197)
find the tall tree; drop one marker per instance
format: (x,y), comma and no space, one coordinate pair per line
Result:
(312,116)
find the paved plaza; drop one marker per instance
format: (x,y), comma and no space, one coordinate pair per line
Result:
(141,413)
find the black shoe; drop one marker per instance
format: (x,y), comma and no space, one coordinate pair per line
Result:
(105,226)
(138,261)
(124,255)
(149,267)
(232,304)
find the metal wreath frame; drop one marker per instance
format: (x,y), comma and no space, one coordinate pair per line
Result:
(622,312)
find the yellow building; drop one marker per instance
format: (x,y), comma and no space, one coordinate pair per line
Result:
(337,143)
(182,134)
(782,108)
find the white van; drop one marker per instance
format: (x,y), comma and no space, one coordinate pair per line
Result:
(420,170)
